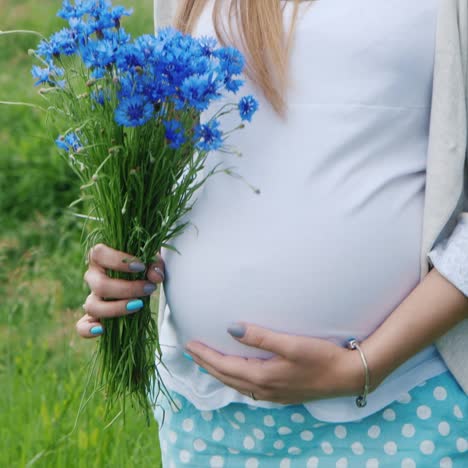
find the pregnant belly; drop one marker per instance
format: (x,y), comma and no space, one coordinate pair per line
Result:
(324,276)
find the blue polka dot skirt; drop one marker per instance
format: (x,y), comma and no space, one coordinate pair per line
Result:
(425,428)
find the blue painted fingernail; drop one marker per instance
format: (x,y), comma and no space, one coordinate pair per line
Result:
(190,358)
(149,288)
(134,305)
(136,266)
(237,330)
(202,369)
(97,330)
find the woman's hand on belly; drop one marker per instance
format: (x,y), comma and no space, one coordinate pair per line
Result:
(303,369)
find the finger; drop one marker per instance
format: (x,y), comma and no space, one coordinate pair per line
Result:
(242,384)
(89,327)
(103,286)
(283,344)
(244,369)
(156,271)
(97,308)
(104,256)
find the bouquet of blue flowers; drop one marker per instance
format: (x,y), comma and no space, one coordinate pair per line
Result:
(130,110)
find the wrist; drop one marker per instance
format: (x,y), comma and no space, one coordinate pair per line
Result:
(353,372)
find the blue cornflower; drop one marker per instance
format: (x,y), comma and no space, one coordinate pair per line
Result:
(207,136)
(117,12)
(69,142)
(47,75)
(149,47)
(231,61)
(129,56)
(198,91)
(44,50)
(79,9)
(98,54)
(80,28)
(232,84)
(62,42)
(208,45)
(174,133)
(247,107)
(134,111)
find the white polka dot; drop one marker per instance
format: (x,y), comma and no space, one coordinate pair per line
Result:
(259,434)
(446,462)
(249,442)
(372,463)
(440,393)
(283,430)
(327,447)
(427,447)
(319,424)
(444,428)
(278,444)
(285,463)
(294,450)
(251,463)
(172,464)
(357,448)
(240,416)
(268,421)
(234,425)
(297,418)
(207,415)
(340,432)
(424,412)
(199,445)
(390,448)
(187,424)
(408,430)
(404,398)
(307,435)
(408,463)
(342,463)
(216,461)
(312,462)
(233,451)
(389,415)
(172,437)
(457,412)
(184,456)
(462,444)
(218,434)
(373,432)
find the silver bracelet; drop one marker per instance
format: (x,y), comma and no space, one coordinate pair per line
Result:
(361,400)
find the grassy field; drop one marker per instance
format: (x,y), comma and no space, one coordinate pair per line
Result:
(43,363)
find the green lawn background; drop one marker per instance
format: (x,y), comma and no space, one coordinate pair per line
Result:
(43,363)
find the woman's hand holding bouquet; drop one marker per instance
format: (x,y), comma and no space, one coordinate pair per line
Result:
(115,297)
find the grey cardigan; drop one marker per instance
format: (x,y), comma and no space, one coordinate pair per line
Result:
(446,195)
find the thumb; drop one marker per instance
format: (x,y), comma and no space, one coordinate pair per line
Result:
(263,338)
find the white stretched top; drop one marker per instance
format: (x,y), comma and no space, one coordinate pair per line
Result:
(342,188)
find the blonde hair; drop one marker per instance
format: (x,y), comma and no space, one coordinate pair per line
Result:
(262,37)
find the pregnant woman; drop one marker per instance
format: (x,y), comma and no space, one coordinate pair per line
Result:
(360,231)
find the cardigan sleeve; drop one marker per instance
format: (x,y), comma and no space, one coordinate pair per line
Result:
(450,255)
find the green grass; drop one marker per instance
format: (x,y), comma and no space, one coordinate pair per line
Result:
(43,363)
